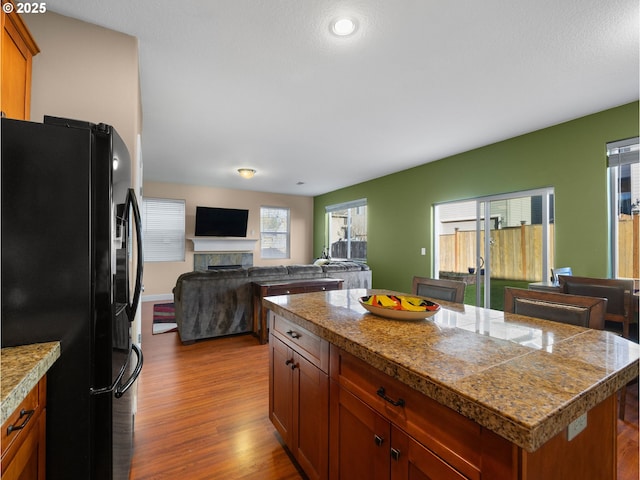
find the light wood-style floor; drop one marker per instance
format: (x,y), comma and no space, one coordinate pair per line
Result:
(203,413)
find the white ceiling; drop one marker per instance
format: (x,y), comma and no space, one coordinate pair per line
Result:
(264,84)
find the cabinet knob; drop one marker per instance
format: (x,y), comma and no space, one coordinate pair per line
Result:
(293,334)
(395,454)
(378,440)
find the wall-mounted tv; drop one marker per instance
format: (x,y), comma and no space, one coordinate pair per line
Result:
(221,222)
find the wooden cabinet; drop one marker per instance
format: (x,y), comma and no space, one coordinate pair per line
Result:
(366,446)
(284,287)
(299,394)
(23,438)
(17,49)
(408,434)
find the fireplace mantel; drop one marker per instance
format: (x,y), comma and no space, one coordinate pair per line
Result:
(223,244)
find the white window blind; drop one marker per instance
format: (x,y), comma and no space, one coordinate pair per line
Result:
(163,229)
(274,232)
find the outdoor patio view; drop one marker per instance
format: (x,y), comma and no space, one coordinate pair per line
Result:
(348,231)
(516,244)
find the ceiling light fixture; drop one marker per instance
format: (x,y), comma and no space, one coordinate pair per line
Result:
(343,27)
(246,172)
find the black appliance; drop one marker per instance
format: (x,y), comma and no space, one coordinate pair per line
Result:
(69,220)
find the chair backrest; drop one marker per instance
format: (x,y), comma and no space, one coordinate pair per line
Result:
(560,271)
(578,310)
(441,289)
(618,292)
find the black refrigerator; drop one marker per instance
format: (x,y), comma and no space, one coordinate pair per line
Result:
(71,271)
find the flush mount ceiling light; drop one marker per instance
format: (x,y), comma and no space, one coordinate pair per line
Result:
(246,172)
(343,26)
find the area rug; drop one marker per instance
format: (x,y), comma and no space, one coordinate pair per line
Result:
(164,318)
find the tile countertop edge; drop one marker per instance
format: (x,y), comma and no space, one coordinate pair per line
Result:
(528,437)
(36,359)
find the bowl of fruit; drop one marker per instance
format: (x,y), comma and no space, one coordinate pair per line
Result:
(399,307)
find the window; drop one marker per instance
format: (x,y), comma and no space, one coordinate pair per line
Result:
(163,230)
(347,237)
(274,232)
(518,249)
(624,190)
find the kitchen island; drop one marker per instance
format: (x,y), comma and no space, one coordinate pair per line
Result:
(522,381)
(23,392)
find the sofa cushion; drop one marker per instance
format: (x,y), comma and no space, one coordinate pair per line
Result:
(304,269)
(267,271)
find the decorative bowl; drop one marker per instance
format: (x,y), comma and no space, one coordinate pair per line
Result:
(399,307)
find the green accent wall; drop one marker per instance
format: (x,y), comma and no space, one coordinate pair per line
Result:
(571,157)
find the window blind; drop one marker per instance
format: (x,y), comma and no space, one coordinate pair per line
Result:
(623,152)
(274,232)
(163,226)
(344,206)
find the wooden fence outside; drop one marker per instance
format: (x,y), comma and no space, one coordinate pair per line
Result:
(517,251)
(629,246)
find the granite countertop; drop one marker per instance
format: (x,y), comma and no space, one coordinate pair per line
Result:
(523,378)
(22,368)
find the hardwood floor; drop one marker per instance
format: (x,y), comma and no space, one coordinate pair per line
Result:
(203,413)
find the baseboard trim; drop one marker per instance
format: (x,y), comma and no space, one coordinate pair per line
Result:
(158,298)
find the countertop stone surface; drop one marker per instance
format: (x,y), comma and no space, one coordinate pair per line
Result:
(21,368)
(525,379)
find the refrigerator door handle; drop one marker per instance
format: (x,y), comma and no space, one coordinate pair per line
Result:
(132,204)
(113,386)
(122,389)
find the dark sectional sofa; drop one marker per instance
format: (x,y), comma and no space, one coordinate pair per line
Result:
(218,302)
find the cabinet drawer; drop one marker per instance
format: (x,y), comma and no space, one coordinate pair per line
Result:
(24,416)
(307,344)
(451,436)
(286,290)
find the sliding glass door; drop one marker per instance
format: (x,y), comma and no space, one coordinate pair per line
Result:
(493,242)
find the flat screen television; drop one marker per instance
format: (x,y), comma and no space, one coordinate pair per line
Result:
(221,222)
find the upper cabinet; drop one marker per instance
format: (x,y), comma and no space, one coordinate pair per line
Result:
(18,48)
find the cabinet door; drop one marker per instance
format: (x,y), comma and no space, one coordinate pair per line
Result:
(29,459)
(361,440)
(281,388)
(18,48)
(411,460)
(311,418)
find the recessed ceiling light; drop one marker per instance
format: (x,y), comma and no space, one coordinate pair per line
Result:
(343,27)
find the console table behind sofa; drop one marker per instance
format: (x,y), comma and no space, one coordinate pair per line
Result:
(219,302)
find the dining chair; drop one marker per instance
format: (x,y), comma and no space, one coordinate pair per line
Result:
(439,288)
(618,292)
(560,271)
(577,310)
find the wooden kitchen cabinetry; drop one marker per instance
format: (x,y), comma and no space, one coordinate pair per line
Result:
(383,429)
(18,48)
(299,394)
(23,438)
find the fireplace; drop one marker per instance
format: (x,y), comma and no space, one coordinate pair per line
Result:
(223,267)
(208,261)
